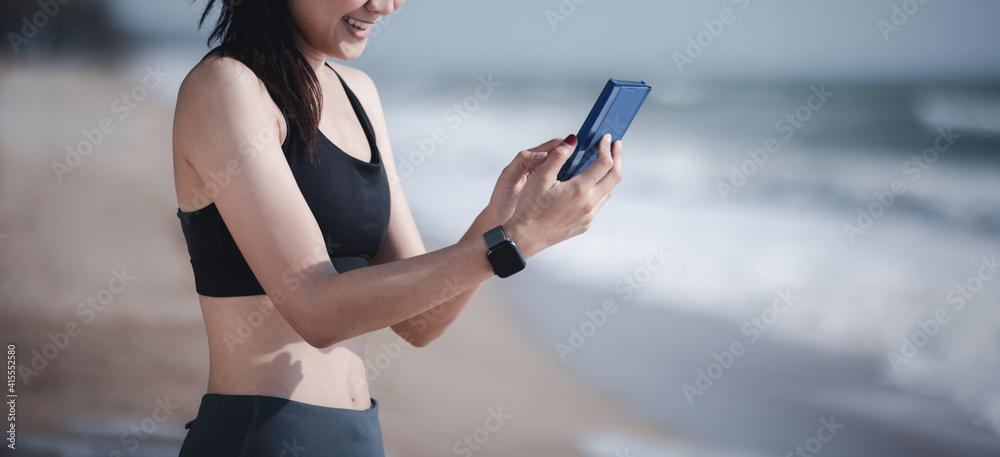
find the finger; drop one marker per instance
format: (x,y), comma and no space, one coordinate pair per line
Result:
(601,164)
(540,153)
(557,157)
(614,175)
(523,163)
(533,157)
(548,145)
(522,158)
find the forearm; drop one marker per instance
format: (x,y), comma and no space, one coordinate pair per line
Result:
(342,306)
(335,307)
(427,326)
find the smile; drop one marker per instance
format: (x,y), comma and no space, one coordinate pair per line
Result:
(360,25)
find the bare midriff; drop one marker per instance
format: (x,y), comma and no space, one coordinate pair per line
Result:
(254,351)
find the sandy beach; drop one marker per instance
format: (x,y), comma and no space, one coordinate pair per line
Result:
(113,216)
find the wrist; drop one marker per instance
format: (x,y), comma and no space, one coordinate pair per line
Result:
(503,253)
(517,233)
(490,218)
(483,222)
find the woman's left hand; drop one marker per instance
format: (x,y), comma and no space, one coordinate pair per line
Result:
(512,179)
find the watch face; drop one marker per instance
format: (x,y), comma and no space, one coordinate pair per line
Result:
(506,259)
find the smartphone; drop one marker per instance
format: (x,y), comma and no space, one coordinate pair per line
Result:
(613,113)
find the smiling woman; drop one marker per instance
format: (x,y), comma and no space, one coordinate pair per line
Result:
(290,201)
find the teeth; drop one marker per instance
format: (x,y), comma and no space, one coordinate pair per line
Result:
(359,24)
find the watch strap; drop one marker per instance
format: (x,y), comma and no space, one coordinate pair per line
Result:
(495,237)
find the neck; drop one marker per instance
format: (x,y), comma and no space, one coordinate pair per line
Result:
(315,58)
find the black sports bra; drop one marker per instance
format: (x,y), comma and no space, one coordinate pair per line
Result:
(348,197)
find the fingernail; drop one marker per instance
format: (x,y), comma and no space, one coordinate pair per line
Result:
(606,138)
(538,156)
(570,140)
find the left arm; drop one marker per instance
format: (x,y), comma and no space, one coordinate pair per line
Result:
(402,240)
(425,327)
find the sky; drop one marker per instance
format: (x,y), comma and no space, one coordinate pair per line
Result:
(779,39)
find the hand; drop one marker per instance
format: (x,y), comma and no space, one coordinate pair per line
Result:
(549,211)
(512,180)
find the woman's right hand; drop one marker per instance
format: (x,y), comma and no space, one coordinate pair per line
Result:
(549,211)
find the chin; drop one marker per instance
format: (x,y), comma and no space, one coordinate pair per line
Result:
(346,51)
(350,54)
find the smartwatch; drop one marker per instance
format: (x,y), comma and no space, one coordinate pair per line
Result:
(503,253)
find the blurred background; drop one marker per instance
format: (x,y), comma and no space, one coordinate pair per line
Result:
(799,261)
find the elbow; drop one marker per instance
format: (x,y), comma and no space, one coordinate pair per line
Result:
(319,338)
(320,341)
(423,339)
(324,337)
(419,340)
(316,332)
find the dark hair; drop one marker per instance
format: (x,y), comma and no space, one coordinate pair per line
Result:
(261,35)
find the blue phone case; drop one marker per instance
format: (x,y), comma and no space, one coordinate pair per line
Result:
(613,113)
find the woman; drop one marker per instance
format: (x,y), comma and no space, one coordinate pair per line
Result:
(289,201)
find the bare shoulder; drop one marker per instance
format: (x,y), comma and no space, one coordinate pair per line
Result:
(222,89)
(218,78)
(221,96)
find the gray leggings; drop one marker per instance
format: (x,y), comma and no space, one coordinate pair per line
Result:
(256,425)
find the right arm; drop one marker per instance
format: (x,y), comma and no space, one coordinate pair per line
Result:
(226,123)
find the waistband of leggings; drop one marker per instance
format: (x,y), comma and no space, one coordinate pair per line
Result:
(210,400)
